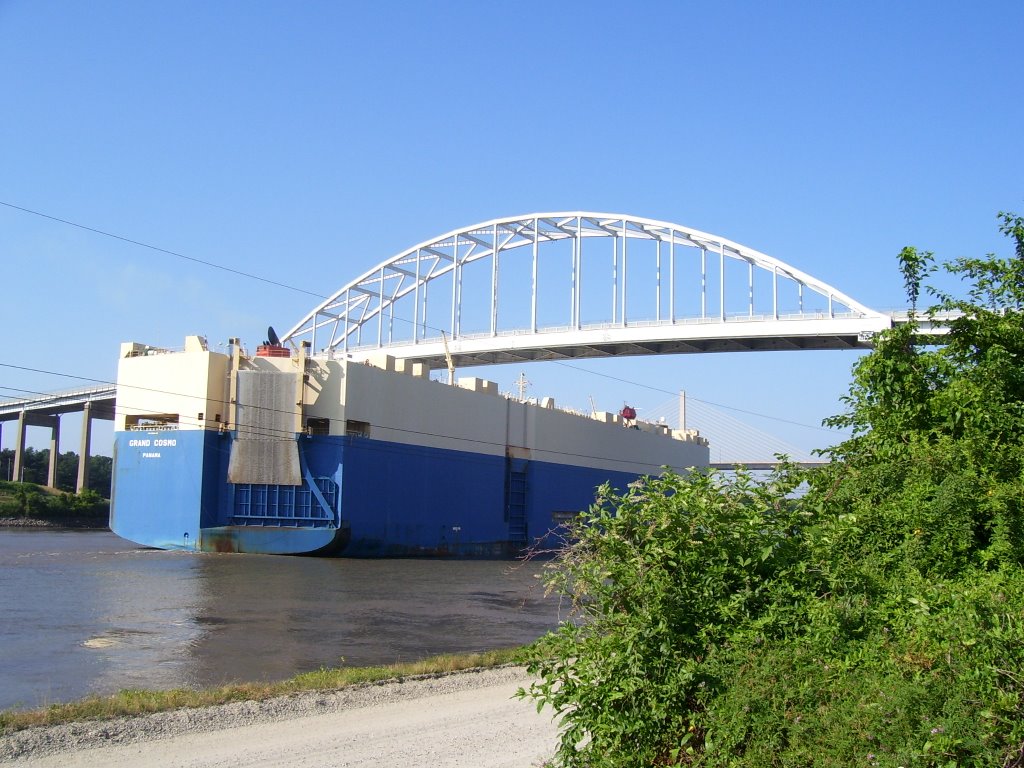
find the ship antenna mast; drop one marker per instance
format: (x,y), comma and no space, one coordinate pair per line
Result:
(521,385)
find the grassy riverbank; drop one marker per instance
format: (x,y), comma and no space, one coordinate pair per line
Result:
(27,505)
(132,702)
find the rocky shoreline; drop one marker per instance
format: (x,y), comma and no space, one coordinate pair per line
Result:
(77,523)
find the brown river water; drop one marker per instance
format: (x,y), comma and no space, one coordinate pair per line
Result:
(86,612)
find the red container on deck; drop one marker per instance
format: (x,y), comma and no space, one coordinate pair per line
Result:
(271,350)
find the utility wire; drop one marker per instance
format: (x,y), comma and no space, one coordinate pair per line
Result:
(401,319)
(400,429)
(163,250)
(691,398)
(249,430)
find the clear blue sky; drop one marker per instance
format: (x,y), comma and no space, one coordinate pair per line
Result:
(306,142)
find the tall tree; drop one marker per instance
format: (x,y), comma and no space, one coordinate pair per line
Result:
(874,620)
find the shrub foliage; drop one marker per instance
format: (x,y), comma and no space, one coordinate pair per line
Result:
(875,620)
(27,500)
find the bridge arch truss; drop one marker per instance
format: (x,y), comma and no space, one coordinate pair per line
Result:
(581,284)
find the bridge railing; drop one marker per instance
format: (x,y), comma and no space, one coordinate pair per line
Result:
(585,269)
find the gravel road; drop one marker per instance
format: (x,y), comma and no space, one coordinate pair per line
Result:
(467,719)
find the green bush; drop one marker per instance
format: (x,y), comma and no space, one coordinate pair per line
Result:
(85,504)
(21,499)
(663,578)
(876,620)
(936,684)
(28,500)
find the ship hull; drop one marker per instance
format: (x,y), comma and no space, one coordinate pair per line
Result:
(392,500)
(289,455)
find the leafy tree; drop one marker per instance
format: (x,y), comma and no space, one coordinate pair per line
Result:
(37,467)
(660,577)
(6,464)
(940,429)
(877,619)
(100,474)
(914,267)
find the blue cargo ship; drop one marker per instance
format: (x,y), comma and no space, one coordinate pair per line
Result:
(284,453)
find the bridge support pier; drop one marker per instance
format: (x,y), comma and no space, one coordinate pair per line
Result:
(83,453)
(26,420)
(45,411)
(51,474)
(19,447)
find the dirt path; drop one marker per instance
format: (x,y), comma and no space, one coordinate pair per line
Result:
(469,719)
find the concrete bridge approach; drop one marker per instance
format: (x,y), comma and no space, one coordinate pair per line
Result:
(45,410)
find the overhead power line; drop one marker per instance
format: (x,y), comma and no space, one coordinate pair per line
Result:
(265,432)
(694,399)
(157,248)
(279,284)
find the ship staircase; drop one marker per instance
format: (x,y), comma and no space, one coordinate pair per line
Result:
(516,486)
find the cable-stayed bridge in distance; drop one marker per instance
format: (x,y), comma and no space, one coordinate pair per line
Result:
(733,441)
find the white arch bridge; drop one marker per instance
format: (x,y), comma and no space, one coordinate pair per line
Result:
(552,286)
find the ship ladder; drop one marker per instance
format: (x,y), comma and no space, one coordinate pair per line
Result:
(517,502)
